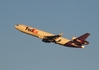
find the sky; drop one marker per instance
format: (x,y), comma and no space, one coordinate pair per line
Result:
(19,51)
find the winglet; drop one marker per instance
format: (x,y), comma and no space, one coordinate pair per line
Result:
(60,34)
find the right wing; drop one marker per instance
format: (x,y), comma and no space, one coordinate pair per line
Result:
(51,38)
(54,37)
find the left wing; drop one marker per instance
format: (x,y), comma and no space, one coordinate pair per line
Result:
(53,38)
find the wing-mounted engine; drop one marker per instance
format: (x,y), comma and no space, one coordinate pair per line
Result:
(49,39)
(46,41)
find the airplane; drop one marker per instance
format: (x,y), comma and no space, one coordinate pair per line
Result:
(76,42)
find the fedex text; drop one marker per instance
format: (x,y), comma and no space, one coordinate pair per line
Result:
(31,30)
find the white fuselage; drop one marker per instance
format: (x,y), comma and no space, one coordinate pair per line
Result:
(38,33)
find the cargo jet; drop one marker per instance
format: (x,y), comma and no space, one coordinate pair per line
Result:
(76,42)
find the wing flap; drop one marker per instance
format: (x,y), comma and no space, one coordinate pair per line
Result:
(52,38)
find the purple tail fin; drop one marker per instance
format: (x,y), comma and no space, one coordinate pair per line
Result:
(84,36)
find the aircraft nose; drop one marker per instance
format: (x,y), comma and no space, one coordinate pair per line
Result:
(16,26)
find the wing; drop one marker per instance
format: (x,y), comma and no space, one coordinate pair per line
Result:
(54,37)
(51,38)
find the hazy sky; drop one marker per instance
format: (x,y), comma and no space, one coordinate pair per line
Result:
(19,51)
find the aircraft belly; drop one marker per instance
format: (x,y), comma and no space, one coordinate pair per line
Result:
(62,41)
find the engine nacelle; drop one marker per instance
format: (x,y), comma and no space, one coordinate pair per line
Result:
(73,38)
(46,41)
